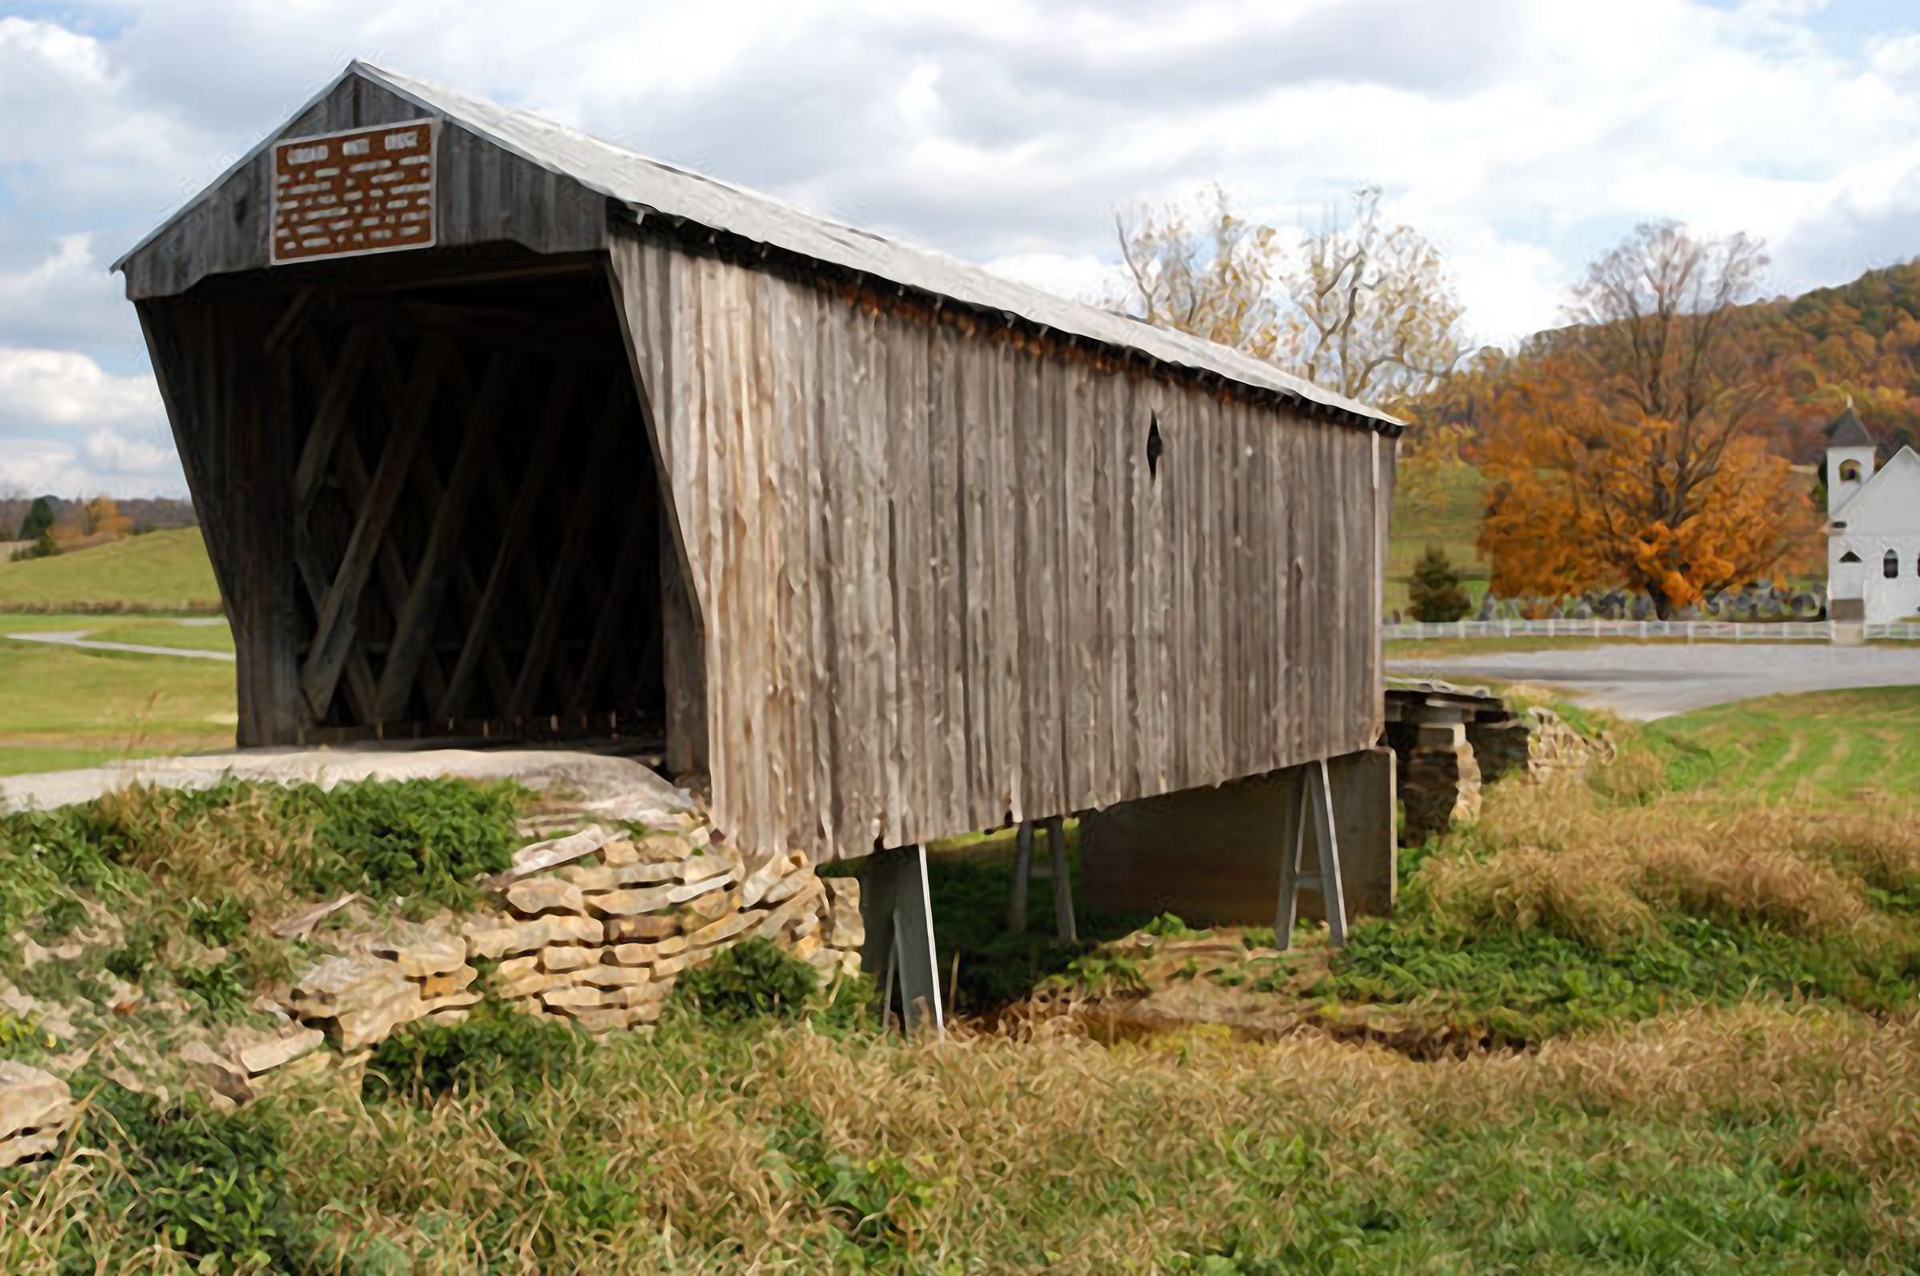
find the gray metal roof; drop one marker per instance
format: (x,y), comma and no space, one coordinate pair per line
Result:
(1847,430)
(648,185)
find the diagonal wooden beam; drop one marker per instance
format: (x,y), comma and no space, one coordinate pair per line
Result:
(351,469)
(330,416)
(292,320)
(612,605)
(531,576)
(546,627)
(460,394)
(314,566)
(518,525)
(502,499)
(432,575)
(334,631)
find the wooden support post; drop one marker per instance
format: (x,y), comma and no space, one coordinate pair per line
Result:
(1022,871)
(1312,807)
(899,919)
(1062,880)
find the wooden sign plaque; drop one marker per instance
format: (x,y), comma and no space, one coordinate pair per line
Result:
(370,190)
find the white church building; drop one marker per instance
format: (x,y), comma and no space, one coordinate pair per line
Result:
(1873,535)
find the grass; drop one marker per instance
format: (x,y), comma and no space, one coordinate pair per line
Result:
(161,571)
(1766,1139)
(1662,1019)
(1801,749)
(67,707)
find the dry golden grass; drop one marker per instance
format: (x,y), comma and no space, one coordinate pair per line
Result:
(238,848)
(1571,862)
(1055,1153)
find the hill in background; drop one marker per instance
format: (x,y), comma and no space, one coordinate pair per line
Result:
(1859,341)
(161,571)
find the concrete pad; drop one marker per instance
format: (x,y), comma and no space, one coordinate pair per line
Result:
(614,787)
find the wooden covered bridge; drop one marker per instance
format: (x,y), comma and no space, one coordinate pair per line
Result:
(500,431)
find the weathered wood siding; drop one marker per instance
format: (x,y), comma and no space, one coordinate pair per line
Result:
(941,585)
(234,447)
(484,195)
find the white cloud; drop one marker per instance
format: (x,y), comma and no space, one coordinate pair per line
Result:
(105,461)
(65,297)
(60,388)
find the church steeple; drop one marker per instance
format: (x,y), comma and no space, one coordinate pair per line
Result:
(1847,429)
(1850,458)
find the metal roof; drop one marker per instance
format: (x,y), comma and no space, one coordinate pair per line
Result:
(1847,430)
(650,186)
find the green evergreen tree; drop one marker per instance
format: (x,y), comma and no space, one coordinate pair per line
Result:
(44,546)
(39,520)
(1435,592)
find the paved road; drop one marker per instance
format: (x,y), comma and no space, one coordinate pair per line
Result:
(1654,680)
(78,638)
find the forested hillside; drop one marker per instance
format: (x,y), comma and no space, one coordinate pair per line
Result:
(1858,340)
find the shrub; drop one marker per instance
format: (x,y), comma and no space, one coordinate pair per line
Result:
(754,979)
(495,1049)
(1434,593)
(61,918)
(431,838)
(207,1185)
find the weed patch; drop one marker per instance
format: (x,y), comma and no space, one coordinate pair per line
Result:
(495,1050)
(751,980)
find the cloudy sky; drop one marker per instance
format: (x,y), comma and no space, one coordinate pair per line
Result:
(1523,135)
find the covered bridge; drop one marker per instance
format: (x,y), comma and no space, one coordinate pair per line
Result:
(498,430)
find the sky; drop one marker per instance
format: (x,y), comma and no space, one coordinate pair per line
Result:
(1523,136)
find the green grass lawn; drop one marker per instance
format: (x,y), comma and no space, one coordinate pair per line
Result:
(1799,750)
(65,707)
(161,571)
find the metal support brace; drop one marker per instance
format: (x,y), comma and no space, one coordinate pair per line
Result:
(1022,873)
(1312,805)
(1059,871)
(899,918)
(1062,880)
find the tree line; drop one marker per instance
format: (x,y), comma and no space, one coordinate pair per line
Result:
(1647,444)
(45,525)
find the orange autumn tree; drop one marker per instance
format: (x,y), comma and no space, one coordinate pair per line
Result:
(1623,452)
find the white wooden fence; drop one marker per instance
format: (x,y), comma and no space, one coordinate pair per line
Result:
(1689,630)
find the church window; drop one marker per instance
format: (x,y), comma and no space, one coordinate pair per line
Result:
(1890,565)
(1849,557)
(1849,471)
